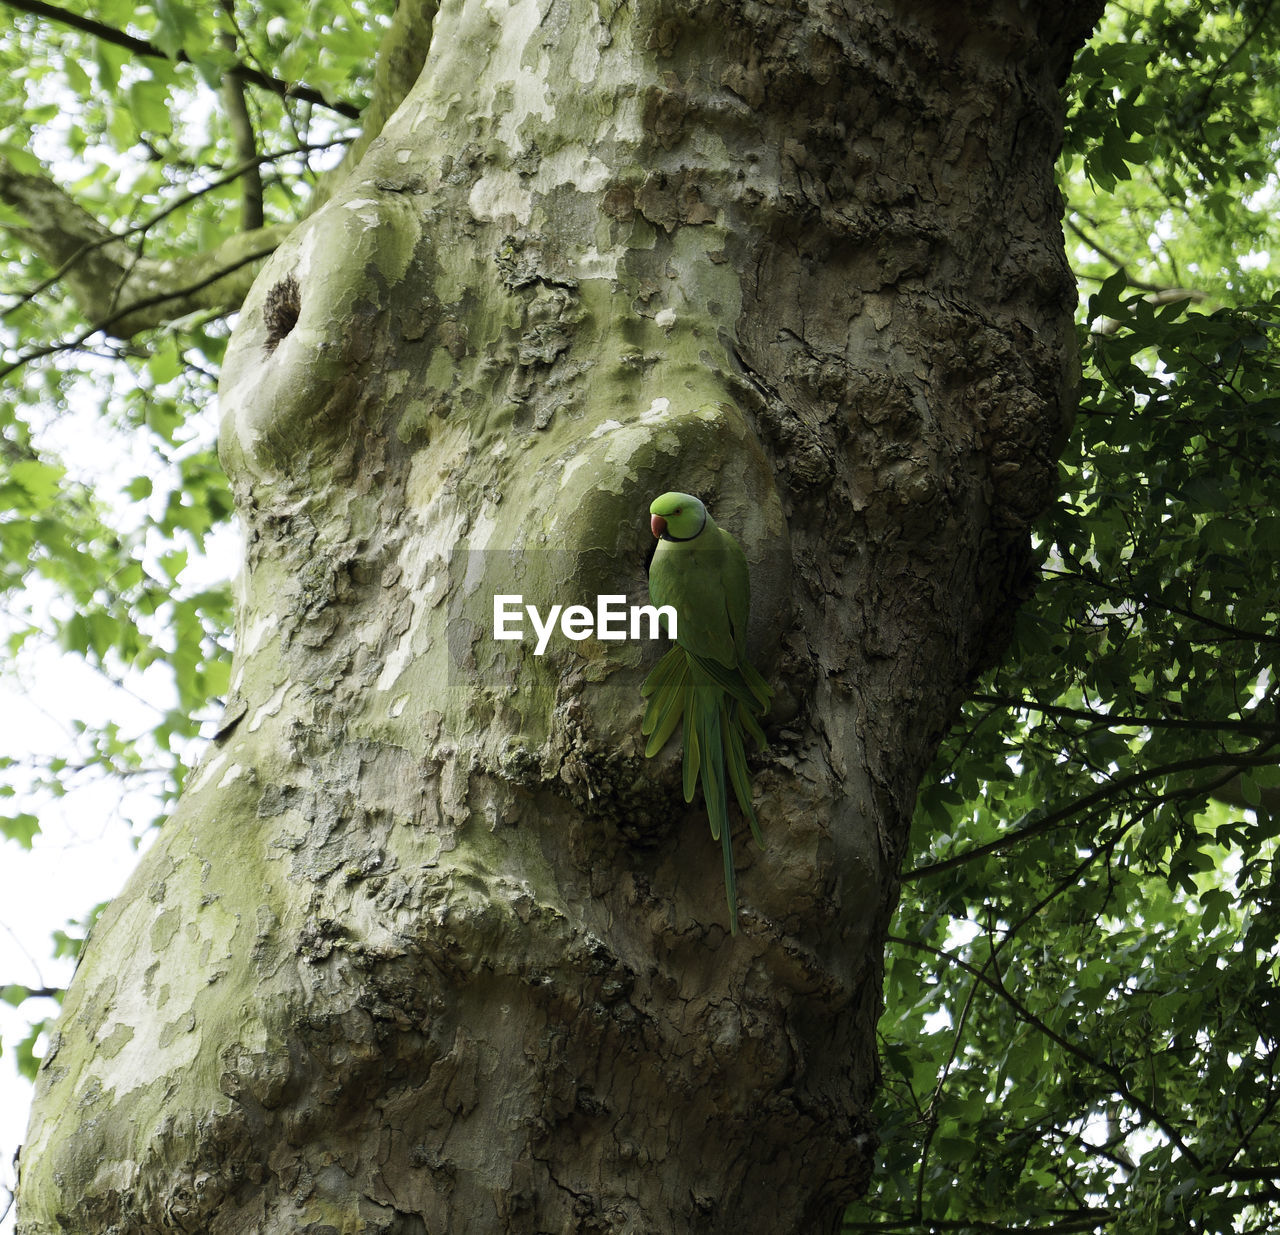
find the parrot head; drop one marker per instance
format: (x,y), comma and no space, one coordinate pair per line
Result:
(677,516)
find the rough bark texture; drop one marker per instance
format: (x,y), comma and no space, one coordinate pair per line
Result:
(429,946)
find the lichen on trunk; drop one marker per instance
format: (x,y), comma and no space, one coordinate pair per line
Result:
(428,944)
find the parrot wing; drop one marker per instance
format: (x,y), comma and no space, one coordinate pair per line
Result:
(664,688)
(690,578)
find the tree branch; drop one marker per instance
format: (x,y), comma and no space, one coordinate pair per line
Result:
(931,1114)
(1115,1077)
(142,47)
(1157,602)
(106,237)
(217,285)
(1086,1220)
(1231,763)
(1158,293)
(1110,720)
(115,288)
(1232,794)
(1259,22)
(41,992)
(242,134)
(63,232)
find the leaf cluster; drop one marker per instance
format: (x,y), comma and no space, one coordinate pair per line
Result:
(1170,151)
(1082,1023)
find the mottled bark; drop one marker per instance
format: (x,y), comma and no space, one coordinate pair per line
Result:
(428,945)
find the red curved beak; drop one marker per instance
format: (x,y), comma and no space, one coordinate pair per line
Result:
(659,525)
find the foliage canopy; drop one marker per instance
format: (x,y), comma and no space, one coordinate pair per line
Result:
(1082,1017)
(1082,1023)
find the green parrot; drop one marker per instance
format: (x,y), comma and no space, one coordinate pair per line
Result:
(701,572)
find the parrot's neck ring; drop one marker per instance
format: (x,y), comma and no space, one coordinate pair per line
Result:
(666,535)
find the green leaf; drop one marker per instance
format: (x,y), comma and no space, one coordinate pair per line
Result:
(149,107)
(165,362)
(28,1062)
(1106,301)
(40,481)
(109,60)
(21,828)
(77,79)
(177,28)
(11,216)
(139,488)
(21,160)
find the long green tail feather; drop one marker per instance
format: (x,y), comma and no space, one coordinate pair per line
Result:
(735,684)
(657,685)
(666,722)
(736,758)
(749,723)
(708,712)
(717,706)
(692,758)
(757,685)
(706,719)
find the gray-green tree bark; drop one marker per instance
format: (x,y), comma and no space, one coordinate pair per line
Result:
(428,945)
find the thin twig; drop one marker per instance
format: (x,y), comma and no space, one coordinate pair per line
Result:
(142,47)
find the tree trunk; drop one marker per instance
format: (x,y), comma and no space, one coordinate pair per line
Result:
(428,944)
